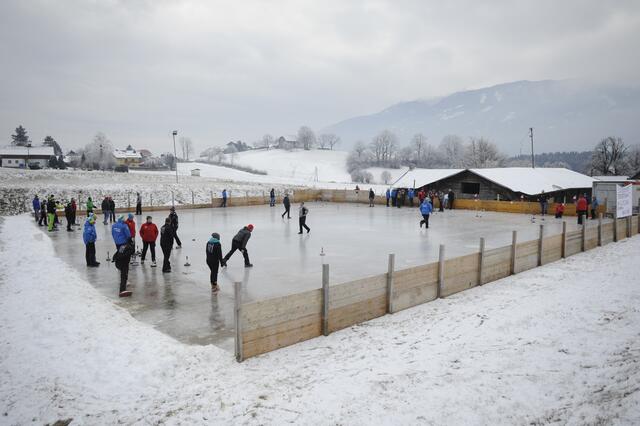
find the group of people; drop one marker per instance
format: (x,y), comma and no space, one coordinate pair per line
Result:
(584,207)
(45,212)
(398,197)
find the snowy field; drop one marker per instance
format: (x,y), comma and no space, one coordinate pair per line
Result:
(180,305)
(557,344)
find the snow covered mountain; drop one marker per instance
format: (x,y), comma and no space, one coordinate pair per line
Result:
(566,115)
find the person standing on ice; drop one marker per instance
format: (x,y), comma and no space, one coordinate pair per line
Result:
(594,207)
(36,207)
(149,235)
(372,197)
(559,210)
(120,232)
(167,236)
(543,200)
(287,206)
(105,210)
(90,206)
(138,204)
(131,223)
(239,242)
(272,198)
(173,216)
(581,207)
(224,198)
(214,260)
(122,258)
(112,210)
(451,198)
(51,213)
(302,218)
(74,210)
(425,210)
(89,236)
(43,213)
(68,214)
(411,195)
(387,196)
(394,197)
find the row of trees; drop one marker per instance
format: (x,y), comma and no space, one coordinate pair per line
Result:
(304,139)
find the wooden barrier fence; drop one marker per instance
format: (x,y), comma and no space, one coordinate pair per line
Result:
(267,325)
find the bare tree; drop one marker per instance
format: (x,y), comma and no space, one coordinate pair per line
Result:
(633,160)
(384,146)
(610,157)
(359,148)
(99,153)
(212,153)
(385,177)
(327,140)
(265,142)
(306,137)
(419,145)
(481,153)
(452,151)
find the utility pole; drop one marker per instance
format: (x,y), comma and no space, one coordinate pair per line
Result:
(175,155)
(533,162)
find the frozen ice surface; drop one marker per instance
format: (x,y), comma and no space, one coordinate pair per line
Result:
(356,241)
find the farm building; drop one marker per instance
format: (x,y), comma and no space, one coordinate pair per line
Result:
(507,183)
(127,157)
(18,156)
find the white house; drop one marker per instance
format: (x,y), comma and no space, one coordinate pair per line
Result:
(128,157)
(18,156)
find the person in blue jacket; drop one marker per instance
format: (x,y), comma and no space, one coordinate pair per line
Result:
(120,232)
(89,236)
(394,197)
(425,209)
(224,198)
(388,195)
(36,207)
(411,194)
(594,208)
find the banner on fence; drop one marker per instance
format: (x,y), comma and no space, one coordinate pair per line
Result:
(624,200)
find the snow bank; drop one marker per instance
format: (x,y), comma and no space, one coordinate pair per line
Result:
(555,344)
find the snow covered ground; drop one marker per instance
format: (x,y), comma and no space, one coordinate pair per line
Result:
(555,344)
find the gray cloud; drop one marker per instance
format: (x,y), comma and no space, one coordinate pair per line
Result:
(235,70)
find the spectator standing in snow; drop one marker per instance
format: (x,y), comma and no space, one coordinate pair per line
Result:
(89,236)
(112,210)
(105,210)
(224,198)
(287,206)
(594,207)
(120,232)
(272,198)
(239,242)
(122,258)
(451,199)
(425,210)
(559,210)
(36,207)
(68,214)
(90,206)
(166,243)
(43,213)
(214,260)
(138,204)
(372,197)
(387,196)
(149,235)
(543,200)
(581,208)
(302,218)
(173,216)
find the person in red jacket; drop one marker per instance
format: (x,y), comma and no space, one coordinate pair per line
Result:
(131,223)
(559,210)
(581,207)
(149,235)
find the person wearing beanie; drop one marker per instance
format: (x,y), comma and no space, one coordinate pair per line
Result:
(174,224)
(122,258)
(89,237)
(239,242)
(214,259)
(302,218)
(425,210)
(166,243)
(287,206)
(120,232)
(36,207)
(149,235)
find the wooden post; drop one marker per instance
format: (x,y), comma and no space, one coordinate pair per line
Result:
(325,299)
(583,235)
(615,228)
(540,240)
(440,271)
(390,268)
(564,239)
(237,291)
(480,260)
(514,241)
(193,201)
(599,229)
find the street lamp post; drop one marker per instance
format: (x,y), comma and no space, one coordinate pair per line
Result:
(175,157)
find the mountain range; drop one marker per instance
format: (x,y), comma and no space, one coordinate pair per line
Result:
(566,115)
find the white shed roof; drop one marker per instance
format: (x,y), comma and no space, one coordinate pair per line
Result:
(534,181)
(44,151)
(423,177)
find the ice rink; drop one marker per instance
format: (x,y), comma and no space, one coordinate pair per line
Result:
(355,239)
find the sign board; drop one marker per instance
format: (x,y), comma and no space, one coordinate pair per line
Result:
(624,200)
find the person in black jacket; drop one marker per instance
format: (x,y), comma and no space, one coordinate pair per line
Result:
(68,213)
(214,259)
(287,206)
(43,213)
(452,197)
(272,198)
(122,257)
(239,242)
(105,210)
(112,210)
(173,216)
(166,244)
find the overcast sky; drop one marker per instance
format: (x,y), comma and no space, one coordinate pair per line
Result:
(216,71)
